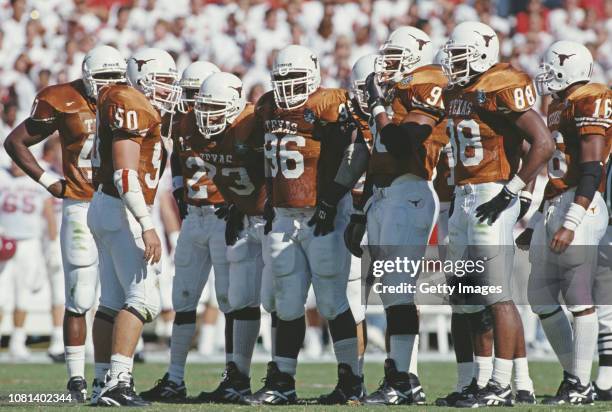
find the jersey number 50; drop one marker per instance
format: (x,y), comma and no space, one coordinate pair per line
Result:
(290,162)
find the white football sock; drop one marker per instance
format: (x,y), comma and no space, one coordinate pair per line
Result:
(346,352)
(522,381)
(502,371)
(286,365)
(18,338)
(465,374)
(401,347)
(484,369)
(604,377)
(120,364)
(180,342)
(75,360)
(57,337)
(245,337)
(414,363)
(558,330)
(100,370)
(585,341)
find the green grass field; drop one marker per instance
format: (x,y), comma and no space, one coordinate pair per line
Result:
(312,380)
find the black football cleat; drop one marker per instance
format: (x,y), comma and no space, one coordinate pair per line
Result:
(278,389)
(348,390)
(452,398)
(77,388)
(165,390)
(524,397)
(395,390)
(418,394)
(232,389)
(602,394)
(571,392)
(491,395)
(120,392)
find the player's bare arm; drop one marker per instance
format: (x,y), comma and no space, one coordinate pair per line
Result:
(126,156)
(592,156)
(17,146)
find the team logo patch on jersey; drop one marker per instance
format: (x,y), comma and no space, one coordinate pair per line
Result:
(481,97)
(406,80)
(309,116)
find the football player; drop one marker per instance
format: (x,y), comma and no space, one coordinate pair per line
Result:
(307,140)
(26,216)
(563,250)
(406,150)
(489,110)
(127,160)
(191,80)
(70,109)
(204,143)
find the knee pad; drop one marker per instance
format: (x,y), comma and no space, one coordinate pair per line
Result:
(250,313)
(578,308)
(183,318)
(545,311)
(106,314)
(481,322)
(147,311)
(81,289)
(402,320)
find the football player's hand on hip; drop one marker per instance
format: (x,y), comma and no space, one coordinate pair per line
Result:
(493,208)
(179,197)
(561,240)
(152,252)
(353,234)
(234,225)
(268,216)
(58,189)
(323,218)
(524,239)
(221,211)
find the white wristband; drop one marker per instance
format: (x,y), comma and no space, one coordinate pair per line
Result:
(574,216)
(515,185)
(146,223)
(376,110)
(177,182)
(47,179)
(525,195)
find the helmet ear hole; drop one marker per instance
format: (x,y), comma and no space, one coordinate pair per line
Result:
(483,56)
(559,75)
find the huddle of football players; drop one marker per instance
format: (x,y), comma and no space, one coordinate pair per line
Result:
(276,196)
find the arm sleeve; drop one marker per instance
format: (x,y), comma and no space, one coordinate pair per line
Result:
(43,118)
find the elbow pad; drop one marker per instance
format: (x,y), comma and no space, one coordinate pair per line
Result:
(398,139)
(354,164)
(128,186)
(590,177)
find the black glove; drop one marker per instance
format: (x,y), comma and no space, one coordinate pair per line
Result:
(451,209)
(375,93)
(268,215)
(221,211)
(179,197)
(353,234)
(234,225)
(493,208)
(525,199)
(323,218)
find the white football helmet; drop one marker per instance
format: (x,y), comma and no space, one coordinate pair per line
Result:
(361,69)
(153,72)
(219,101)
(406,49)
(102,65)
(192,78)
(295,76)
(472,48)
(563,64)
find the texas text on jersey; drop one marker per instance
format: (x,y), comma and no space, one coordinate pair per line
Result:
(486,145)
(67,109)
(125,113)
(195,153)
(293,142)
(588,110)
(420,92)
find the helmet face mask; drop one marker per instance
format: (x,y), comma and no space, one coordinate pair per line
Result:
(564,64)
(458,61)
(163,90)
(394,63)
(543,80)
(103,65)
(212,115)
(360,71)
(295,76)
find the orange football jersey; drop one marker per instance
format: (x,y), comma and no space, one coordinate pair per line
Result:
(588,110)
(67,109)
(486,144)
(444,183)
(420,92)
(126,113)
(302,159)
(229,176)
